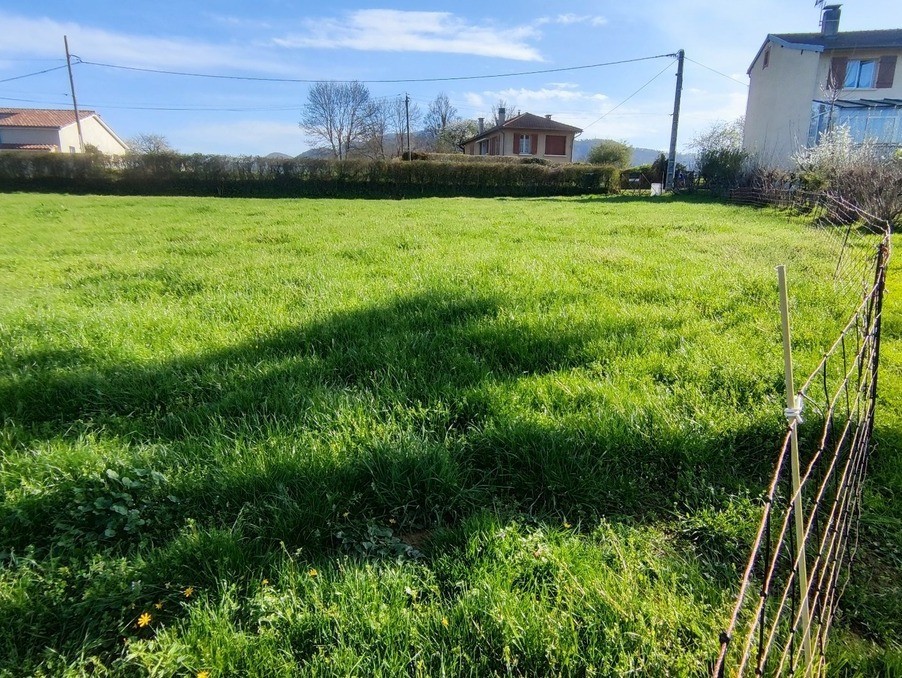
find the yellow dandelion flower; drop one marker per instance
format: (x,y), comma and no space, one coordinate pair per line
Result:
(445,622)
(567,525)
(188,592)
(265,582)
(313,572)
(203,674)
(144,620)
(159,605)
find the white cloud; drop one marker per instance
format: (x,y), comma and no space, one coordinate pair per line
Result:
(570,18)
(386,30)
(37,37)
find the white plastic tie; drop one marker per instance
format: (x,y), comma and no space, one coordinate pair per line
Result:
(794,414)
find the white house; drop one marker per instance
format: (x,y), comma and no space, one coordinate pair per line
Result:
(526,136)
(802,84)
(35,129)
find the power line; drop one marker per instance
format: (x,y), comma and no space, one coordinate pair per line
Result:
(728,77)
(28,75)
(655,77)
(387,81)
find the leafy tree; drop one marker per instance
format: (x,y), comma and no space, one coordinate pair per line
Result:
(610,152)
(144,144)
(719,158)
(339,113)
(450,138)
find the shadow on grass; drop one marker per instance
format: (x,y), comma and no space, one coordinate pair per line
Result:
(301,441)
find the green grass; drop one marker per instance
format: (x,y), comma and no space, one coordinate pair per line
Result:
(425,437)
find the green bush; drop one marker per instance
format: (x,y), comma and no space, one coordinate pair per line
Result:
(610,152)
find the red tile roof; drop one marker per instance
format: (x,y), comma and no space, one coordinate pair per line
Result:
(39,117)
(527,121)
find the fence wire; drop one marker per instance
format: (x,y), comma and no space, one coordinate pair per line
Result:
(769,632)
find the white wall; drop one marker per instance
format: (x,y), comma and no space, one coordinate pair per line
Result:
(778,112)
(94,134)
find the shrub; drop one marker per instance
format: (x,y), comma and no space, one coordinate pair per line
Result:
(610,152)
(859,172)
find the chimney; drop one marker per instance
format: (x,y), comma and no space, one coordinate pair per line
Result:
(502,114)
(481,125)
(830,19)
(548,116)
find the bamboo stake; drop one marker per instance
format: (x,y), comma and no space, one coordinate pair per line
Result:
(792,410)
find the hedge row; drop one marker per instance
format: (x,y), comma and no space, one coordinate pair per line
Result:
(171,174)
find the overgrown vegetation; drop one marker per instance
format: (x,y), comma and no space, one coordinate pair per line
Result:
(862,173)
(491,437)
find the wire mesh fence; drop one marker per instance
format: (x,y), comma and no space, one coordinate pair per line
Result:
(806,540)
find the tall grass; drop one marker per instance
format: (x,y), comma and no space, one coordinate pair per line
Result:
(445,436)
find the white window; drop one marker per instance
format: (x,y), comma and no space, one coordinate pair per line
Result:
(860,74)
(525,144)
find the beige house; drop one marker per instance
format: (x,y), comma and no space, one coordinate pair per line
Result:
(34,129)
(802,84)
(525,136)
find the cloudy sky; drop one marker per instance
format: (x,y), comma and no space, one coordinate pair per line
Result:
(267,47)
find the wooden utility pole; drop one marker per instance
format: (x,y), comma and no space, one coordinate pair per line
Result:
(81,139)
(407,117)
(671,165)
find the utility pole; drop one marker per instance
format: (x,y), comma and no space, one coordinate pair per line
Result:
(407,117)
(671,165)
(81,139)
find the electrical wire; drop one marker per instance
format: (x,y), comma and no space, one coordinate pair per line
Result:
(655,77)
(728,77)
(28,75)
(386,81)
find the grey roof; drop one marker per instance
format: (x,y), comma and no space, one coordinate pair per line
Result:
(818,42)
(846,40)
(527,121)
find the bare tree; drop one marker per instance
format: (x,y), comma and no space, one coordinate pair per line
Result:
(378,120)
(143,144)
(496,111)
(398,113)
(338,113)
(439,115)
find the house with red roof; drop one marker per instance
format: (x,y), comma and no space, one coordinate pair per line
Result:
(55,130)
(525,136)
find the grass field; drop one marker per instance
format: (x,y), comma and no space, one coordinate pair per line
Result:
(424,437)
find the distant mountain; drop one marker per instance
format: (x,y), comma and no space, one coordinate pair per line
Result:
(278,156)
(641,156)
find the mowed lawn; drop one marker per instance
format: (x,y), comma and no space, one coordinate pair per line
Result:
(419,437)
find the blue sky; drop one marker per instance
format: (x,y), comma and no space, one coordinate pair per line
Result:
(391,40)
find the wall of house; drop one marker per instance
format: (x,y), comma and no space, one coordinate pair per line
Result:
(778,111)
(894,92)
(29,135)
(94,134)
(510,141)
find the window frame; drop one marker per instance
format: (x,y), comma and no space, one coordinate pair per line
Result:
(853,80)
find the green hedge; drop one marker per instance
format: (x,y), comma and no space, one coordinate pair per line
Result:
(171,174)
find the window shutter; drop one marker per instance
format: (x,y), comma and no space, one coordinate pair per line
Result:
(885,72)
(534,144)
(837,72)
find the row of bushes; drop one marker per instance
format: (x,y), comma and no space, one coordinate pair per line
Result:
(172,174)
